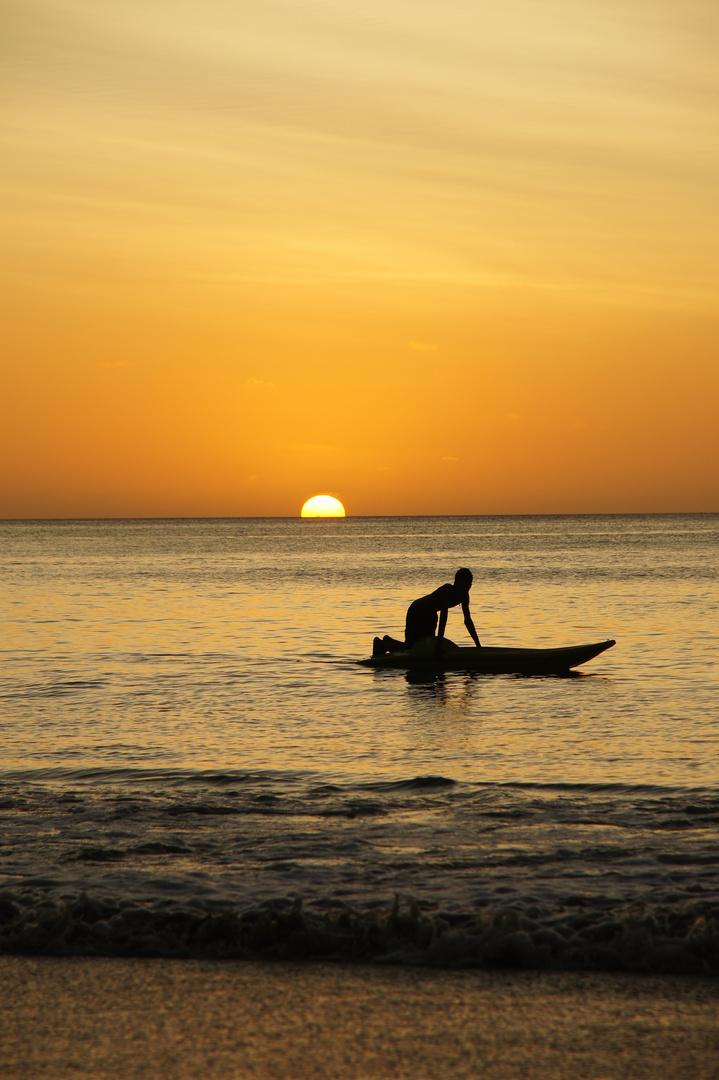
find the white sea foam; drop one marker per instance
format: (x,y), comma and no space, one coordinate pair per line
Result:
(582,936)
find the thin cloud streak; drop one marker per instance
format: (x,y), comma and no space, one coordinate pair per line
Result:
(468,141)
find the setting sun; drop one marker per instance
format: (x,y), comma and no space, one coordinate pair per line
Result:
(322,506)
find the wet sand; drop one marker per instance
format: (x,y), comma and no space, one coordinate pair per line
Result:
(119,1019)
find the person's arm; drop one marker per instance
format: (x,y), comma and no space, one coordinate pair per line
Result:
(469,624)
(440,631)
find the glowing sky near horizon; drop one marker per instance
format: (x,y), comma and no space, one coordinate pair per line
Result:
(454,257)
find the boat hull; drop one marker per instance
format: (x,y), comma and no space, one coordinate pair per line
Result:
(489,660)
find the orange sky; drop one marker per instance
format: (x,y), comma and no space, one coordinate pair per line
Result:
(429,257)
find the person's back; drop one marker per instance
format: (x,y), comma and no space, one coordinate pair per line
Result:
(446,596)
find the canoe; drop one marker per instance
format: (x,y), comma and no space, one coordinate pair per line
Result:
(489,659)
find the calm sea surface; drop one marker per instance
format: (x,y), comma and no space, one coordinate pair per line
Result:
(194,764)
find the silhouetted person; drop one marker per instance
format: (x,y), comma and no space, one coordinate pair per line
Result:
(422,616)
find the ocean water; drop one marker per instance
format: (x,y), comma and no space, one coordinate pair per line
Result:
(193,763)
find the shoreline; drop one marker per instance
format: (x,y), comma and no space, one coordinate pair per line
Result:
(116,1019)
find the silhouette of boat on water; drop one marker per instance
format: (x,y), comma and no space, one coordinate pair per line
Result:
(489,660)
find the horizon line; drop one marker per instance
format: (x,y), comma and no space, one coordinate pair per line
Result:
(369,517)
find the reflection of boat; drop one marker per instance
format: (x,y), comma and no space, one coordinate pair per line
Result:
(488,660)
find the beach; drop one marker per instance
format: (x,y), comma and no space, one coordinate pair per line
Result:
(120,1019)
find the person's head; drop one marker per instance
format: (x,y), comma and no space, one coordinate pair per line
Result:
(463,579)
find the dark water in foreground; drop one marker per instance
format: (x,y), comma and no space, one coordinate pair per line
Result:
(193,764)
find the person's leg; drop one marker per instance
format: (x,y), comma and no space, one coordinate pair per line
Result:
(421,623)
(391,644)
(380,646)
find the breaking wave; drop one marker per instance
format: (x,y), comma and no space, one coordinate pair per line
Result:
(578,935)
